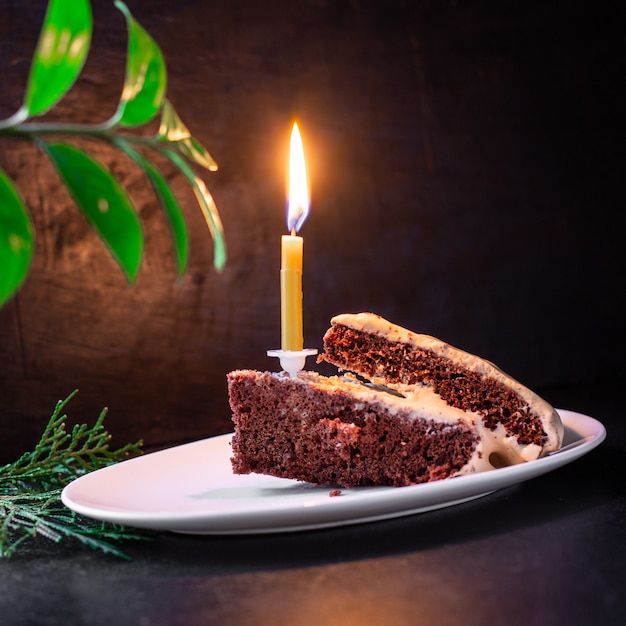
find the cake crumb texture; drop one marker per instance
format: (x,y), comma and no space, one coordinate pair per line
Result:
(326,437)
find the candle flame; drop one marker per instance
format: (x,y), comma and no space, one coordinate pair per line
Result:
(298,208)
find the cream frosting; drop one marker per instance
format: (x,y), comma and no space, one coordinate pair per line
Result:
(496,444)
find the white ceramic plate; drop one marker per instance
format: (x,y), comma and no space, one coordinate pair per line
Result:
(191,489)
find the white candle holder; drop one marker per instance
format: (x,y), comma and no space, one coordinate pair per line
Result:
(292,361)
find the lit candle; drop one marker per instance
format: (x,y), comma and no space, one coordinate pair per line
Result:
(291,249)
(292,355)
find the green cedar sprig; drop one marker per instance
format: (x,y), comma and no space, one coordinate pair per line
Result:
(30,487)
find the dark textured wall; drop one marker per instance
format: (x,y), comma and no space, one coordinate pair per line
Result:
(465,183)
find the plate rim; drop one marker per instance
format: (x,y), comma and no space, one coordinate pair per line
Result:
(382,502)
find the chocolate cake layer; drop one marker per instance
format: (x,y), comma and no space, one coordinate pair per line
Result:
(330,431)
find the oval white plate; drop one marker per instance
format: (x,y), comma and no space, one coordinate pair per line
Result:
(191,489)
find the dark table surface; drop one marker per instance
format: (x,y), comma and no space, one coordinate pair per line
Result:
(548,551)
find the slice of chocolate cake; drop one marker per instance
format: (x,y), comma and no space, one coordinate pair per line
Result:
(446,413)
(385,353)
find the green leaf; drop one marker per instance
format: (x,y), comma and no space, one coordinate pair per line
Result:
(173,130)
(208,206)
(104,202)
(196,152)
(146,75)
(60,54)
(172,127)
(168,201)
(16,239)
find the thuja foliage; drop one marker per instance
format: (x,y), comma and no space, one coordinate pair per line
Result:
(58,60)
(30,488)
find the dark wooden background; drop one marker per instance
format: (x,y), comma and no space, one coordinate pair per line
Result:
(466,183)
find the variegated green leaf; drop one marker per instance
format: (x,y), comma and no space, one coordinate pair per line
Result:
(208,207)
(60,54)
(197,153)
(16,239)
(104,202)
(145,82)
(173,129)
(173,212)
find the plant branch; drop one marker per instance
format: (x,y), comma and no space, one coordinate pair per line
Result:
(30,488)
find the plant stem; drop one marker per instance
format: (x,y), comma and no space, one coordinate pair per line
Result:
(35,131)
(11,122)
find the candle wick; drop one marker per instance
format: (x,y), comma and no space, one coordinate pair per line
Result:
(293,231)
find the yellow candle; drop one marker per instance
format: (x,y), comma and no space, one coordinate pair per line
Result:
(291,293)
(291,249)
